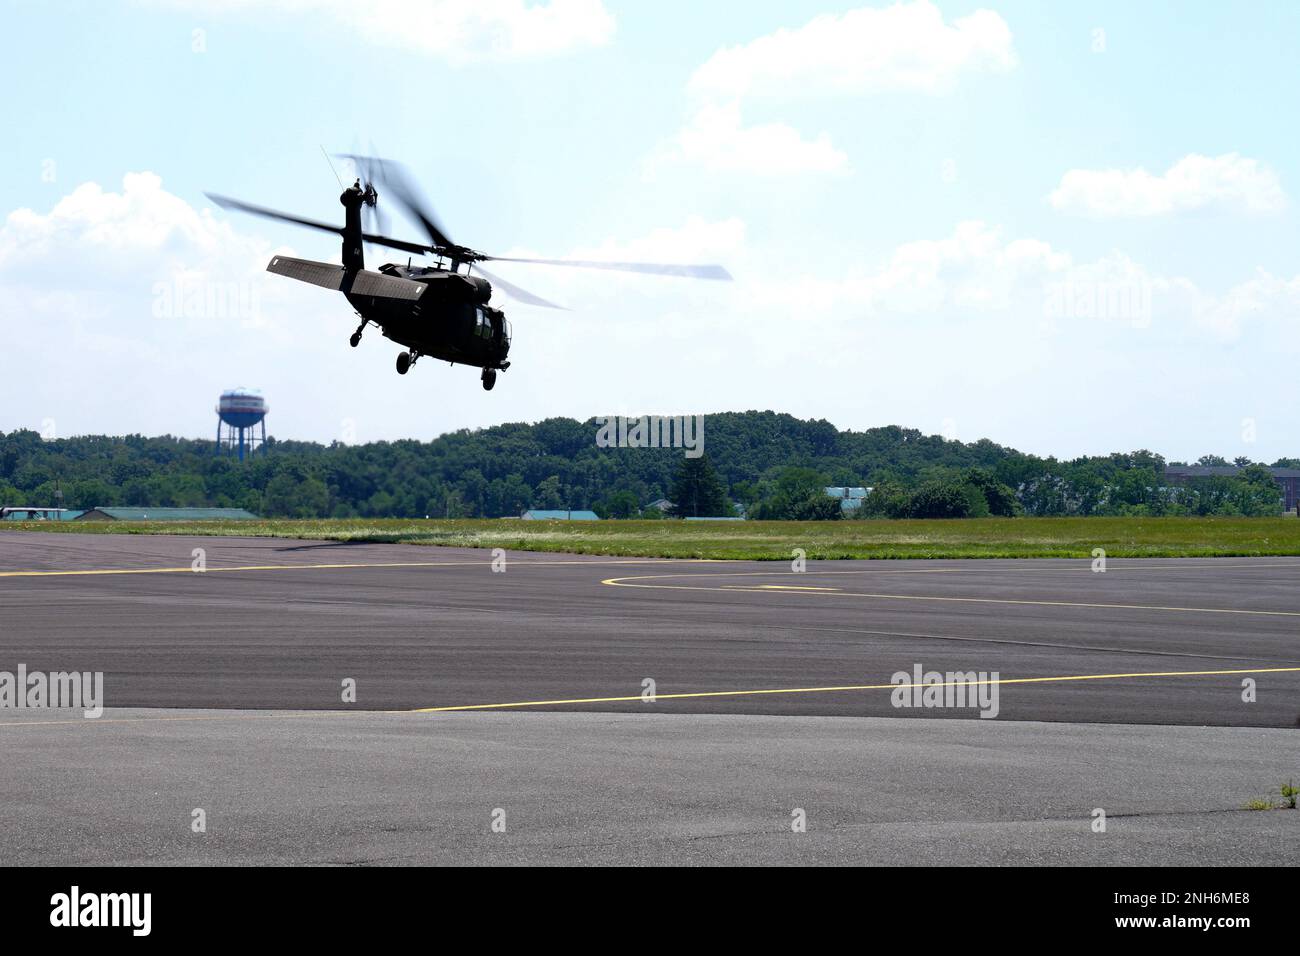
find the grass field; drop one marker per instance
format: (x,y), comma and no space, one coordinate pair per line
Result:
(772,540)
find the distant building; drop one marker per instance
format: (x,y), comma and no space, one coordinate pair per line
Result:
(662,504)
(719,518)
(1288,479)
(22,513)
(166,514)
(540,514)
(850,498)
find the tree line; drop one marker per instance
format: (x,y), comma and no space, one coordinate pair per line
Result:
(761,464)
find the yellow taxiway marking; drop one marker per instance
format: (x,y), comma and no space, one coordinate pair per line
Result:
(1027,565)
(322,567)
(298,715)
(788,587)
(606,560)
(849,687)
(836,592)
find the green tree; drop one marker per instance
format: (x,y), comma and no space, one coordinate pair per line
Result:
(620,504)
(548,496)
(288,496)
(9,495)
(796,494)
(816,507)
(697,492)
(766,459)
(1257,493)
(998,499)
(939,499)
(888,499)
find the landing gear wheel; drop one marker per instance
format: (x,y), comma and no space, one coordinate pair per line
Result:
(355,340)
(403,362)
(489,379)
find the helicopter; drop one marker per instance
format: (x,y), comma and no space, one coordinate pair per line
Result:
(441,310)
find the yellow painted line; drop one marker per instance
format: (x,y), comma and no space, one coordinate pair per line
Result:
(975,564)
(82,722)
(849,687)
(835,592)
(322,567)
(619,561)
(789,587)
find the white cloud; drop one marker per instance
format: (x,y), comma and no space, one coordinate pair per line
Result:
(904,47)
(1193,182)
(717,141)
(1013,288)
(459,31)
(148,252)
(907,46)
(142,218)
(975,277)
(1268,303)
(697,240)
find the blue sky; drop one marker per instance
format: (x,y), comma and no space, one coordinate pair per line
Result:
(906,195)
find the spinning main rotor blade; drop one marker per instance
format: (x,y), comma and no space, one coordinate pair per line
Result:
(225,202)
(653,268)
(515,292)
(382,221)
(413,247)
(397,183)
(392,176)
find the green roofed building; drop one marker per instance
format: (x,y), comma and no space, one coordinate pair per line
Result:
(166,514)
(537,514)
(38,514)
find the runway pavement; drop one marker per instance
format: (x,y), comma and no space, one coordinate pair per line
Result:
(772,690)
(281,624)
(375,788)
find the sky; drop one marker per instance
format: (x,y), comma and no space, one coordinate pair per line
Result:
(1070,228)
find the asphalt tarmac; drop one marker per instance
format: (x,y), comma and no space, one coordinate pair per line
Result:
(396,789)
(525,690)
(276,624)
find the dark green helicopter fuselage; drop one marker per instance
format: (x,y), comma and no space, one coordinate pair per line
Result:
(451,320)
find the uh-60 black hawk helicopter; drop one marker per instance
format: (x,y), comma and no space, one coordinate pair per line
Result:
(440,309)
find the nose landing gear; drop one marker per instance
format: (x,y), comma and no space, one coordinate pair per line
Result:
(489,379)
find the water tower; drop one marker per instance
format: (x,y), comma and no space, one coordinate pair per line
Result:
(240,414)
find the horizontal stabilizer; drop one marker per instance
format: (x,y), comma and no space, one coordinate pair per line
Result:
(330,276)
